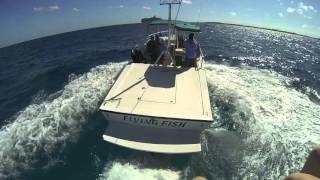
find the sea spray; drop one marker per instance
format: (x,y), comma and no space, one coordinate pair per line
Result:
(275,126)
(118,171)
(125,163)
(263,129)
(41,131)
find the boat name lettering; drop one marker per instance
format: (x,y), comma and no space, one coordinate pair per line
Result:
(154,122)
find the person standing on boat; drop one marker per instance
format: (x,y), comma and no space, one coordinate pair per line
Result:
(162,49)
(157,48)
(148,50)
(136,55)
(162,44)
(192,48)
(153,48)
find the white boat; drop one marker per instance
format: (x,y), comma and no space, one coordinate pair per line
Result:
(159,108)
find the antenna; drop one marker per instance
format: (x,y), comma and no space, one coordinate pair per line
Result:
(169,3)
(162,2)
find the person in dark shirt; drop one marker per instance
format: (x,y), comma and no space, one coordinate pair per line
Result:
(136,55)
(153,49)
(191,51)
(156,49)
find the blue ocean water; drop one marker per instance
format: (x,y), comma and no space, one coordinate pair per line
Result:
(264,88)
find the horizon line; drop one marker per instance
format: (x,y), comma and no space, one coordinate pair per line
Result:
(216,22)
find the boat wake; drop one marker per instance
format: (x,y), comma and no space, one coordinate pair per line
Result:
(118,170)
(264,128)
(39,133)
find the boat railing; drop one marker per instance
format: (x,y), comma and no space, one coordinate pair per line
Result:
(157,33)
(201,57)
(163,34)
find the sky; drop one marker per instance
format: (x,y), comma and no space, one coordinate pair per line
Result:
(22,20)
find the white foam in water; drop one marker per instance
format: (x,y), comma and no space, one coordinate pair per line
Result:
(277,125)
(41,130)
(119,171)
(267,129)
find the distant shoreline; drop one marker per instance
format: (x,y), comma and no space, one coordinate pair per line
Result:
(232,24)
(270,29)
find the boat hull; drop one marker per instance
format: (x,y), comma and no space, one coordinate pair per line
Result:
(154,134)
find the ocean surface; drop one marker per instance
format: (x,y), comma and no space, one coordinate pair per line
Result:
(264,89)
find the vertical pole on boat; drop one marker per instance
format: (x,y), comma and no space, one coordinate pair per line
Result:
(169,28)
(170,33)
(169,3)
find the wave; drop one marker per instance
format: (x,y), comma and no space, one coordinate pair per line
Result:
(266,128)
(40,132)
(118,171)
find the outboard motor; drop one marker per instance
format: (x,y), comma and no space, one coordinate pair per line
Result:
(136,55)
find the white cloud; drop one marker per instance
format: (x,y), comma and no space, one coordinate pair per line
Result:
(280,14)
(38,9)
(233,14)
(305,26)
(146,7)
(46,9)
(280,3)
(75,9)
(306,8)
(302,9)
(117,7)
(250,9)
(54,8)
(308,17)
(187,1)
(291,10)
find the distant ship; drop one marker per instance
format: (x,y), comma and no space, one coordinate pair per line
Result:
(149,20)
(160,105)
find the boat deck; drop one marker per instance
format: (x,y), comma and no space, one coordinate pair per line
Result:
(175,92)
